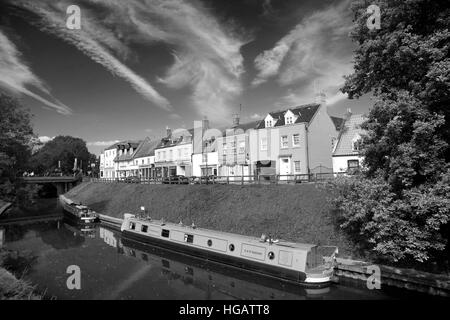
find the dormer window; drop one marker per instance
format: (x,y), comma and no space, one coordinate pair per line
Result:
(356,144)
(289,117)
(269,124)
(289,120)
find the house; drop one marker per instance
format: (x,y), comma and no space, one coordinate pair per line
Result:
(107,164)
(233,150)
(346,155)
(124,163)
(298,140)
(173,154)
(144,158)
(205,156)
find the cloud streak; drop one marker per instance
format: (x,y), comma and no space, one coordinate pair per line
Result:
(313,56)
(95,41)
(15,75)
(206,54)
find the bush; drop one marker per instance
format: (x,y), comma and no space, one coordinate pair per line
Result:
(410,227)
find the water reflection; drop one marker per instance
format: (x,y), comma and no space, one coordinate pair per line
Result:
(118,268)
(207,276)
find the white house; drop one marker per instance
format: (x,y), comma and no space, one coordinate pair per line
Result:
(346,155)
(173,154)
(107,164)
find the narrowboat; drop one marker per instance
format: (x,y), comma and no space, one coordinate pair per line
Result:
(308,264)
(77,211)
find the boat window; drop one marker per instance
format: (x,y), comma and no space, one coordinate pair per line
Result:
(231,247)
(144,228)
(271,255)
(165,233)
(209,243)
(189,238)
(132,225)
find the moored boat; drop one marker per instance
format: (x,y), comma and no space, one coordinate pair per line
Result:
(78,211)
(297,262)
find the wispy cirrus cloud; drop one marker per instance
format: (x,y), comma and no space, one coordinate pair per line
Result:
(101,143)
(206,53)
(16,75)
(94,40)
(313,56)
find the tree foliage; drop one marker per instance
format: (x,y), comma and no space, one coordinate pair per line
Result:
(399,206)
(16,141)
(63,150)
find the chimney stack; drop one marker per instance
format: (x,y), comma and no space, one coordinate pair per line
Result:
(235,120)
(168,132)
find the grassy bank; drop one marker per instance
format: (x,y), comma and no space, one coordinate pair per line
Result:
(298,213)
(12,288)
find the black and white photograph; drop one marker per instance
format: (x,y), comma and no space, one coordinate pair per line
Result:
(225,155)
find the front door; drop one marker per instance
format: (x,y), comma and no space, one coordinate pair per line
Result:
(285,168)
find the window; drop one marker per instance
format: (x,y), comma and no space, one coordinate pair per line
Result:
(233,147)
(165,233)
(284,142)
(352,164)
(296,140)
(241,147)
(289,120)
(132,225)
(189,238)
(144,228)
(263,144)
(269,123)
(297,166)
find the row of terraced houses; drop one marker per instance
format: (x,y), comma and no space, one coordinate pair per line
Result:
(296,141)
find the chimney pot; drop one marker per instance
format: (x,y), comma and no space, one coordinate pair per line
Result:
(235,120)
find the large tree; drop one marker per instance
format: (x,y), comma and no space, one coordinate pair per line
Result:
(61,150)
(400,206)
(16,139)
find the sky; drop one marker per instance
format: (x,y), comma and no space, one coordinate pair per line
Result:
(135,67)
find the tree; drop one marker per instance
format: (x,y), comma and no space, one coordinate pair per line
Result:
(63,150)
(16,141)
(400,205)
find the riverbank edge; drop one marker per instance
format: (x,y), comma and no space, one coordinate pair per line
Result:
(429,283)
(12,288)
(4,206)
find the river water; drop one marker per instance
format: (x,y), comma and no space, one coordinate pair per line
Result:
(116,268)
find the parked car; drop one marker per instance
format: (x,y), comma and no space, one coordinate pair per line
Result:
(132,179)
(204,179)
(175,180)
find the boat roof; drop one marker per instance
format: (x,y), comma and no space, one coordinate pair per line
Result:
(301,246)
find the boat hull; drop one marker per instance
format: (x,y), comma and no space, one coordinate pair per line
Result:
(254,266)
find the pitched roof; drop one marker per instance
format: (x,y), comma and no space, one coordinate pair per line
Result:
(175,138)
(338,122)
(304,112)
(146,148)
(351,129)
(127,145)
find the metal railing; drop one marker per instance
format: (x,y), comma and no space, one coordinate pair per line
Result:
(239,180)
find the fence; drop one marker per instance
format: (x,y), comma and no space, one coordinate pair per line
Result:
(239,180)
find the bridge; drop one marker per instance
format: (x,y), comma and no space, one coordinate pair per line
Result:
(62,184)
